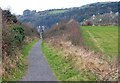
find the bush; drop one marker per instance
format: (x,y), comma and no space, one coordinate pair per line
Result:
(89,23)
(18,35)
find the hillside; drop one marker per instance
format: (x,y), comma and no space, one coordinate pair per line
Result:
(103,19)
(15,36)
(71,43)
(49,17)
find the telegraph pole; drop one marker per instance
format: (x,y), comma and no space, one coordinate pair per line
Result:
(1,26)
(41,30)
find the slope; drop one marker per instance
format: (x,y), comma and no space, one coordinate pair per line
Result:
(66,38)
(44,18)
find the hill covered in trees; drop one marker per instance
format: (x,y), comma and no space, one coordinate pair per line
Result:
(49,17)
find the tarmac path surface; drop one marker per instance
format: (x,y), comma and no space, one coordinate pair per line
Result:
(38,68)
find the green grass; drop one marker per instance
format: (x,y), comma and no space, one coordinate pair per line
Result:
(62,68)
(0,79)
(20,70)
(57,11)
(27,48)
(106,37)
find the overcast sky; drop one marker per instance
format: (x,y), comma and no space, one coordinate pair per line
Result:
(18,6)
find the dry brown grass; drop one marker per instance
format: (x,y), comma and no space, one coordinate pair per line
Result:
(86,60)
(82,58)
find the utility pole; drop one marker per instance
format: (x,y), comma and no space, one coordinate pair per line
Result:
(41,30)
(1,26)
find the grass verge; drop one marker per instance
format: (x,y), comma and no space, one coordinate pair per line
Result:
(63,68)
(26,49)
(19,71)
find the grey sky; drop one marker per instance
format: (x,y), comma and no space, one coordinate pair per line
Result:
(18,6)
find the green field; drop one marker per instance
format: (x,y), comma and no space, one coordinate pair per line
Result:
(57,11)
(102,39)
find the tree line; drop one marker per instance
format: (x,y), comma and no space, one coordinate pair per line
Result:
(45,18)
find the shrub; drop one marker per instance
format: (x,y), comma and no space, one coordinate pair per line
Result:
(89,23)
(18,35)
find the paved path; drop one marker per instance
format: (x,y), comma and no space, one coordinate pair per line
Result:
(38,68)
